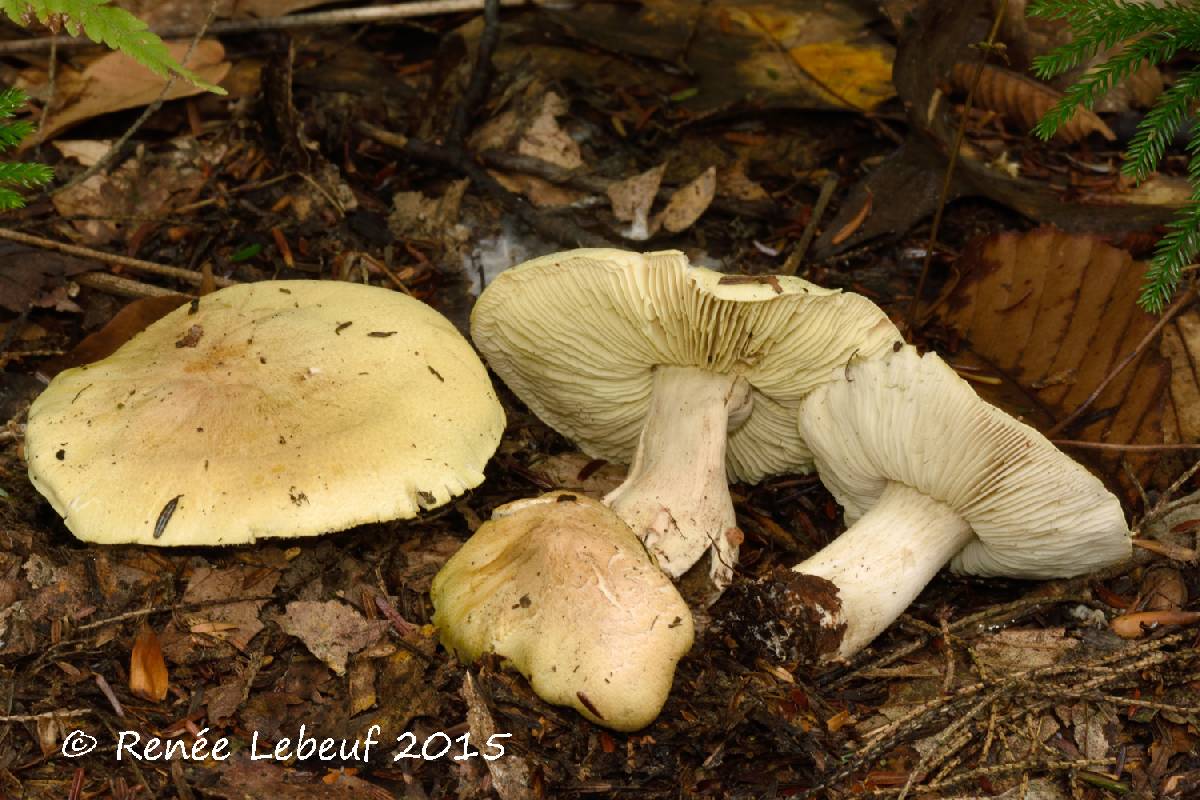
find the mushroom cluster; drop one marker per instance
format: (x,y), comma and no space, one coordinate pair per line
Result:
(690,376)
(293,408)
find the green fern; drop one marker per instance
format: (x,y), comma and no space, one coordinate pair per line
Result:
(11,133)
(109,25)
(1151,35)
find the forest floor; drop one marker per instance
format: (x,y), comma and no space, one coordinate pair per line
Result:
(766,137)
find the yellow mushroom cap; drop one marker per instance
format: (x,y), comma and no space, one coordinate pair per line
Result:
(279,408)
(561,588)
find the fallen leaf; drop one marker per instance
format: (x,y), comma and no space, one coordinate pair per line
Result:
(184,640)
(1024,100)
(801,54)
(331,630)
(544,139)
(632,198)
(1018,649)
(1139,623)
(147,668)
(362,686)
(575,471)
(511,775)
(242,778)
(143,185)
(30,271)
(688,203)
(127,323)
(114,82)
(854,223)
(417,216)
(223,702)
(733,182)
(1055,313)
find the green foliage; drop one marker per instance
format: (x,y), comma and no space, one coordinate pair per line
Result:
(11,134)
(1149,35)
(105,24)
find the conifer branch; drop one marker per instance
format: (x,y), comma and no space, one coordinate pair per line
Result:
(109,25)
(1145,34)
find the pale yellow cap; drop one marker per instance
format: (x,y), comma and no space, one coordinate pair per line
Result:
(280,408)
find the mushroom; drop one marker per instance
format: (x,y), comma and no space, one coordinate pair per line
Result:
(691,376)
(280,408)
(561,589)
(928,473)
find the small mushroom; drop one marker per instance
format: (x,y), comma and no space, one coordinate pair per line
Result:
(561,589)
(928,473)
(267,421)
(690,376)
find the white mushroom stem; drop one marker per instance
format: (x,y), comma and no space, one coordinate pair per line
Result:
(883,561)
(676,496)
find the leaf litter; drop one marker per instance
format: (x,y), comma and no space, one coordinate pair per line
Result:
(1001,690)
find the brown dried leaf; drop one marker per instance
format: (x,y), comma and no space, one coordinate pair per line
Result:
(1055,313)
(114,82)
(1019,649)
(575,471)
(688,203)
(242,778)
(362,686)
(511,776)
(631,200)
(28,271)
(331,630)
(147,668)
(224,629)
(127,323)
(1024,100)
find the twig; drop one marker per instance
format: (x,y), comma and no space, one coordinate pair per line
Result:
(143,612)
(1001,10)
(70,712)
(1124,448)
(801,249)
(319,19)
(121,287)
(481,76)
(1182,302)
(136,264)
(110,155)
(558,230)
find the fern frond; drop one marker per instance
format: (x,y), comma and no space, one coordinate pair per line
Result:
(1102,24)
(12,133)
(11,101)
(10,200)
(1160,125)
(1091,87)
(27,175)
(111,26)
(1178,248)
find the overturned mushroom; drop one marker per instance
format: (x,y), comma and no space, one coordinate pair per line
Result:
(928,473)
(280,408)
(689,375)
(561,588)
